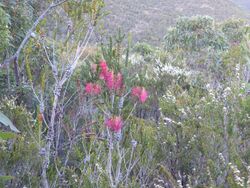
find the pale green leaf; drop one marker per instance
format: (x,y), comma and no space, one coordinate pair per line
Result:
(7,122)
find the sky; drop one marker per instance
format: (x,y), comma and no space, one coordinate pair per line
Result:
(243,3)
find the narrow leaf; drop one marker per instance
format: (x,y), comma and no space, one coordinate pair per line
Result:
(6,121)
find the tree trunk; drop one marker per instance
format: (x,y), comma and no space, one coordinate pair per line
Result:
(50,138)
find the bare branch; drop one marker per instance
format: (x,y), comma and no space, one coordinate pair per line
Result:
(15,57)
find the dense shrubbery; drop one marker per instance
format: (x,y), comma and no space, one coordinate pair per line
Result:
(4,25)
(141,116)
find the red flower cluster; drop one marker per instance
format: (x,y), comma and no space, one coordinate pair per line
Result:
(112,81)
(140,93)
(115,123)
(93,89)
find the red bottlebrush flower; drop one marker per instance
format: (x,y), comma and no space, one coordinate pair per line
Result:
(103,65)
(115,123)
(118,81)
(113,82)
(109,79)
(144,95)
(140,93)
(88,88)
(104,69)
(102,75)
(136,91)
(92,89)
(96,89)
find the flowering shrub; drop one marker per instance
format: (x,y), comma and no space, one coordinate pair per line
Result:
(111,107)
(115,85)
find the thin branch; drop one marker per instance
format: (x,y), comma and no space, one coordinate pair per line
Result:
(15,57)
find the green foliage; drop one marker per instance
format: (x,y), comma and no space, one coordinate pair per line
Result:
(6,135)
(18,156)
(143,49)
(4,29)
(234,30)
(21,15)
(195,34)
(3,179)
(194,124)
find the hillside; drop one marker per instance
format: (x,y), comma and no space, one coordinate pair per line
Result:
(148,21)
(78,112)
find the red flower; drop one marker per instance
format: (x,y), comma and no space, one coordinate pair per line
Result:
(103,65)
(140,93)
(118,81)
(136,91)
(144,95)
(96,89)
(115,123)
(109,79)
(88,88)
(93,89)
(104,69)
(112,81)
